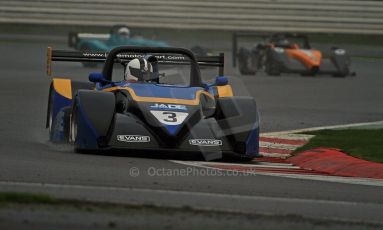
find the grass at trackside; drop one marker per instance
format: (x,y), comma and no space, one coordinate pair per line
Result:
(362,143)
(25,198)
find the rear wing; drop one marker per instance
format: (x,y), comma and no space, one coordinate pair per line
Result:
(237,36)
(266,37)
(74,37)
(101,57)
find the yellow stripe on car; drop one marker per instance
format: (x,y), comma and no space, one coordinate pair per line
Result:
(225,91)
(63,87)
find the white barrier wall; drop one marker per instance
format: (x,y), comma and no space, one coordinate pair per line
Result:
(322,16)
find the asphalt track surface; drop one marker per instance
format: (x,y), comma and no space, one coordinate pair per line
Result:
(288,102)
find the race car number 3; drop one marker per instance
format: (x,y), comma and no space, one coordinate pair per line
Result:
(169,117)
(172,116)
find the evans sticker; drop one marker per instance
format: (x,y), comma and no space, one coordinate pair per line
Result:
(205,142)
(133,138)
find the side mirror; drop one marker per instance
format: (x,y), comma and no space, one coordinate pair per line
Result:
(221,80)
(98,78)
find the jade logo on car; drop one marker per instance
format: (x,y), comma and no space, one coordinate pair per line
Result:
(168,107)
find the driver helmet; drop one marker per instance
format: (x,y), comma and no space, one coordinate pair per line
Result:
(283,42)
(138,69)
(124,32)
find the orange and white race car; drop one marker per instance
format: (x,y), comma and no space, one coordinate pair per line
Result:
(288,53)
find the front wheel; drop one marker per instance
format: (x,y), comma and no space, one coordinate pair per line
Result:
(271,68)
(59,128)
(50,111)
(73,125)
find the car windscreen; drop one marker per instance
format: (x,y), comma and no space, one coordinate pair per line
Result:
(156,68)
(173,69)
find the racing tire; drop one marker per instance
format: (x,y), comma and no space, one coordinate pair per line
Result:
(73,127)
(50,111)
(244,62)
(257,58)
(272,69)
(60,125)
(342,74)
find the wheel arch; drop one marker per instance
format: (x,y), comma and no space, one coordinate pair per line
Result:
(95,111)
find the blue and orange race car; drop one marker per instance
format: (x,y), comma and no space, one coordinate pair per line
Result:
(169,109)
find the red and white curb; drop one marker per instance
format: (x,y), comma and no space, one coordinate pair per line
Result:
(275,148)
(281,145)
